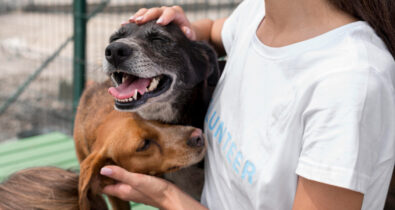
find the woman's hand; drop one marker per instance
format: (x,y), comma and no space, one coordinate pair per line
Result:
(147,189)
(164,16)
(201,30)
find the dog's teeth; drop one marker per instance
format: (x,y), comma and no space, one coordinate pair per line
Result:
(114,80)
(135,94)
(124,100)
(124,77)
(154,84)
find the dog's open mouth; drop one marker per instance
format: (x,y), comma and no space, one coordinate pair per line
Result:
(132,91)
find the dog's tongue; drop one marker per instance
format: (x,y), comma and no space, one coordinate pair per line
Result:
(128,87)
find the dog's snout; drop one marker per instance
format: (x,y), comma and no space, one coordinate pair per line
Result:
(117,52)
(196,139)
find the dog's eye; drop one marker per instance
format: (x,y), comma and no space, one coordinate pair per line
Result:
(158,40)
(144,145)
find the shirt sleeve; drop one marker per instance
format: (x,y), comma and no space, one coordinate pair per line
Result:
(231,25)
(348,129)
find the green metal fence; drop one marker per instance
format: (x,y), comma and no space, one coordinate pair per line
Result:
(42,61)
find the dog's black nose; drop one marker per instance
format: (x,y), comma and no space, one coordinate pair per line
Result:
(196,139)
(117,52)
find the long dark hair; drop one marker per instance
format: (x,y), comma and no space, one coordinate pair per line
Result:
(380,14)
(45,188)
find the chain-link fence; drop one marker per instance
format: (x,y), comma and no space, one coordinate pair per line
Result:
(32,30)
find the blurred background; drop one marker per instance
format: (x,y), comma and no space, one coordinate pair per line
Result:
(45,59)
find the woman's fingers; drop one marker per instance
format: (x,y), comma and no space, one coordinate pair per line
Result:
(119,174)
(167,16)
(164,16)
(127,193)
(135,187)
(176,14)
(119,190)
(139,13)
(151,14)
(189,32)
(135,180)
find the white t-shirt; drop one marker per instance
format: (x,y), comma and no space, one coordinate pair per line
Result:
(323,109)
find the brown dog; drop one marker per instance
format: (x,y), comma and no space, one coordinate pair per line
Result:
(104,136)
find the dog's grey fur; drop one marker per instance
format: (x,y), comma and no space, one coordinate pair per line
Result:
(158,50)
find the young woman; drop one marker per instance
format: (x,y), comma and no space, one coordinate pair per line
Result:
(303,116)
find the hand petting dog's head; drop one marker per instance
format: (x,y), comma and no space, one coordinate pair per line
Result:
(155,67)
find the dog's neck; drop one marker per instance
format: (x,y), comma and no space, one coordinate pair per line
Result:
(164,112)
(189,109)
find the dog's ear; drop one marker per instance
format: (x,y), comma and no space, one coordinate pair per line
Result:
(212,73)
(89,182)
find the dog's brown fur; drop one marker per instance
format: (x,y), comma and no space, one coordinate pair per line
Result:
(104,136)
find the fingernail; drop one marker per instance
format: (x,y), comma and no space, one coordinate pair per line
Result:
(131,17)
(139,18)
(160,20)
(106,171)
(187,31)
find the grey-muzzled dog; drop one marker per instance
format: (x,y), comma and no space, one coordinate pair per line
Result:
(161,74)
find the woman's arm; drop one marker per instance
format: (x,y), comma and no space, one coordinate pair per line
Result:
(210,30)
(147,189)
(312,195)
